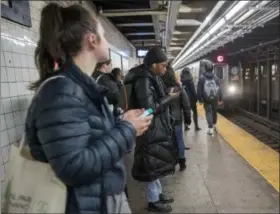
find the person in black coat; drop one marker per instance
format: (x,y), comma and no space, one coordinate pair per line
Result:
(155,154)
(187,81)
(69,124)
(180,112)
(105,78)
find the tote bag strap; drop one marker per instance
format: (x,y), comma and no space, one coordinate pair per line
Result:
(22,144)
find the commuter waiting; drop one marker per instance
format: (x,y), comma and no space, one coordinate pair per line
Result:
(69,124)
(155,154)
(180,111)
(104,77)
(187,81)
(209,93)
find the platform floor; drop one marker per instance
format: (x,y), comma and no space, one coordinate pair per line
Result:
(217,180)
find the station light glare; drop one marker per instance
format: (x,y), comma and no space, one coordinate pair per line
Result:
(232,89)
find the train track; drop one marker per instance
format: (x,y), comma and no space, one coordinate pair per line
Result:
(266,133)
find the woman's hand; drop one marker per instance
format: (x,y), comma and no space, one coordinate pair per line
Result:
(141,124)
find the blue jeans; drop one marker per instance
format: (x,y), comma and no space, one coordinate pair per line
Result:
(180,141)
(211,113)
(154,189)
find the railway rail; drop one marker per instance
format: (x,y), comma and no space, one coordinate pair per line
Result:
(264,130)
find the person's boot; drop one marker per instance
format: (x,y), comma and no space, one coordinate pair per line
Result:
(166,199)
(182,163)
(159,206)
(187,148)
(197,128)
(186,128)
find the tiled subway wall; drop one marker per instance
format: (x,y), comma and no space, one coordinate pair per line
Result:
(18,70)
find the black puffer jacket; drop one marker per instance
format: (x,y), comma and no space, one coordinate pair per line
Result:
(181,106)
(70,126)
(155,154)
(187,81)
(110,83)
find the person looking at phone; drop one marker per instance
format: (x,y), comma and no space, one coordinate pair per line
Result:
(155,154)
(68,123)
(180,111)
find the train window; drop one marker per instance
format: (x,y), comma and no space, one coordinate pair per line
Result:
(219,72)
(264,72)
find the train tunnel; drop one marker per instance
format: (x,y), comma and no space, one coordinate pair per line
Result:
(232,165)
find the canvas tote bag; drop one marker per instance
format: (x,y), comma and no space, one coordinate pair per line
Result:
(32,186)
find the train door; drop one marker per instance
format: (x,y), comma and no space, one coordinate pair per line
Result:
(247,88)
(255,85)
(221,71)
(263,71)
(274,68)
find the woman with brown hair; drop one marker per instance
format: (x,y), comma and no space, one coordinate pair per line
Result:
(69,124)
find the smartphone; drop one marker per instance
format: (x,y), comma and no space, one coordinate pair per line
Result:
(147,112)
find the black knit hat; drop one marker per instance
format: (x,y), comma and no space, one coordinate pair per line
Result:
(155,55)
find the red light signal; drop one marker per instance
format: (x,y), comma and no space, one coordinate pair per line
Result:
(220,58)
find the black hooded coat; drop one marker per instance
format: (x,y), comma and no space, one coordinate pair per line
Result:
(155,154)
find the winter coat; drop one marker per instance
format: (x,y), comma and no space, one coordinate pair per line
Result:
(180,109)
(187,82)
(110,83)
(155,153)
(69,125)
(200,86)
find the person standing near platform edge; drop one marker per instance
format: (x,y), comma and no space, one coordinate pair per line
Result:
(187,81)
(209,93)
(155,154)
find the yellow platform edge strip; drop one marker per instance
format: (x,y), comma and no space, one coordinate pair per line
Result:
(261,157)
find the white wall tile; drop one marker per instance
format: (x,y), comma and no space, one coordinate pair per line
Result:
(12,135)
(2,173)
(4,139)
(8,59)
(18,74)
(6,105)
(4,77)
(9,120)
(2,59)
(5,90)
(3,124)
(11,74)
(5,153)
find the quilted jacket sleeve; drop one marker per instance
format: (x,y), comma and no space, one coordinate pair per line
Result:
(72,145)
(145,96)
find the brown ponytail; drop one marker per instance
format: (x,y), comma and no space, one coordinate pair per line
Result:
(62,30)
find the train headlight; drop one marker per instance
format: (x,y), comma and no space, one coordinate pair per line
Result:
(232,89)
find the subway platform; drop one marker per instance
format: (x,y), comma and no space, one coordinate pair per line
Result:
(218,178)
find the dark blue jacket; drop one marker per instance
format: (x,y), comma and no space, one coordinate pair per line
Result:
(70,126)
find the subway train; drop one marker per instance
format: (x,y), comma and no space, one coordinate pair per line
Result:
(230,81)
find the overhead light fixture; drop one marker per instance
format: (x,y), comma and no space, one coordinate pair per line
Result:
(236,9)
(217,26)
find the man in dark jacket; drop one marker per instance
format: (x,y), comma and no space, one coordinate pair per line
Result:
(155,154)
(104,77)
(180,110)
(209,93)
(187,81)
